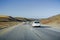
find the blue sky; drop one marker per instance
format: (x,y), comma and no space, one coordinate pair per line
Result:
(30,8)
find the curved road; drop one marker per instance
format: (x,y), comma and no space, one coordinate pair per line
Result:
(27,32)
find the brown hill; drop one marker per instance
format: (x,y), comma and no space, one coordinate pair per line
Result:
(53,19)
(4,18)
(7,19)
(10,18)
(24,19)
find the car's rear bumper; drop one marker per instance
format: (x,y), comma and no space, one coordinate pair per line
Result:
(36,26)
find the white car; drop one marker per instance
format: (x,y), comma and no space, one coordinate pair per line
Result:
(36,24)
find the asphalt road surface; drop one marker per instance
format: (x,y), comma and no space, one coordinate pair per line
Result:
(27,32)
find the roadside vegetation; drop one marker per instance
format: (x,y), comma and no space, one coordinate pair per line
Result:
(7,24)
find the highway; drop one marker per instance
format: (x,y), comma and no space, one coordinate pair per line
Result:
(27,32)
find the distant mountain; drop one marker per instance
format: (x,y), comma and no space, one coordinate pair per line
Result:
(10,18)
(25,19)
(53,19)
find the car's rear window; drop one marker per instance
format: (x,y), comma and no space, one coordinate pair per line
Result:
(36,22)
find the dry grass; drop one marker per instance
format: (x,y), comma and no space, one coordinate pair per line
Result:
(7,24)
(53,21)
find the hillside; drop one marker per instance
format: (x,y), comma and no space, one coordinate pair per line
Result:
(52,21)
(4,18)
(24,19)
(9,19)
